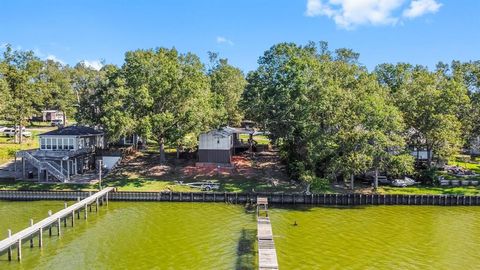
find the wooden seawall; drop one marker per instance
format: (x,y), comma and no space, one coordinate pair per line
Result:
(54,220)
(276,198)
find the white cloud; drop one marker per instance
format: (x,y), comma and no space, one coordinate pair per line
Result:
(54,58)
(221,40)
(349,14)
(95,64)
(420,7)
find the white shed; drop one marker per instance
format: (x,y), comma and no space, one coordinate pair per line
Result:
(215,146)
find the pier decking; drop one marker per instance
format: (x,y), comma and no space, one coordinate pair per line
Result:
(54,220)
(267,254)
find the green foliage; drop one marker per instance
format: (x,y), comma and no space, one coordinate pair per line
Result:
(168,95)
(331,117)
(227,84)
(29,85)
(319,185)
(432,104)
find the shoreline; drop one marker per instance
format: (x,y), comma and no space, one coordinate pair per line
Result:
(321,199)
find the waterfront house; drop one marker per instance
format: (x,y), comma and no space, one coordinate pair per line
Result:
(63,153)
(217,146)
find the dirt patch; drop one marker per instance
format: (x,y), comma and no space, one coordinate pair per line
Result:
(263,168)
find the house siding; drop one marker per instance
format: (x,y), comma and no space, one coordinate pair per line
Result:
(214,156)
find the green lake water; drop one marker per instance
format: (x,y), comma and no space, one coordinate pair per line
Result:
(137,235)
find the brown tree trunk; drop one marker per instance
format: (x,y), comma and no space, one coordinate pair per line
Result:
(161,143)
(64,119)
(352,180)
(20,134)
(178,152)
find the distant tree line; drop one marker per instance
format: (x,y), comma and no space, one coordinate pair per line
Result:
(331,118)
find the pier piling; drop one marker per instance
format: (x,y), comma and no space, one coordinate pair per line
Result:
(36,230)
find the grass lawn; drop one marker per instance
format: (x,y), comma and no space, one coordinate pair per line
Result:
(138,183)
(428,190)
(465,162)
(260,139)
(27,185)
(8,147)
(149,184)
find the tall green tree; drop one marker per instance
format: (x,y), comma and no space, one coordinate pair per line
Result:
(86,83)
(329,116)
(20,71)
(432,106)
(54,83)
(227,84)
(169,95)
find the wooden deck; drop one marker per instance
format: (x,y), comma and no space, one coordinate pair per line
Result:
(15,240)
(267,254)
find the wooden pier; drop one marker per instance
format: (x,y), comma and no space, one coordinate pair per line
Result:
(53,220)
(267,254)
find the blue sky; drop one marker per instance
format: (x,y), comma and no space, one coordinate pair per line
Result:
(416,31)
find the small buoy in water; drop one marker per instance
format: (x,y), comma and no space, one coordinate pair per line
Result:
(295,223)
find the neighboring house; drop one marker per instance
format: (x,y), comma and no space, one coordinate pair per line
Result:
(218,146)
(63,152)
(51,115)
(419,154)
(130,140)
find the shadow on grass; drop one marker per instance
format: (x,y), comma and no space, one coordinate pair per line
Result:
(26,185)
(246,250)
(122,182)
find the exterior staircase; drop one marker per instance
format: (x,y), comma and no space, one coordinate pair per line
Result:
(51,167)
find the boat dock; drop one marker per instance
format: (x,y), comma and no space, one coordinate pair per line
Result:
(53,220)
(267,254)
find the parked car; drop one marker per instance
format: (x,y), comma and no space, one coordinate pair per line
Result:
(2,128)
(10,132)
(56,122)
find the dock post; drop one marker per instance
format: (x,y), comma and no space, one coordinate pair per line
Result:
(96,205)
(40,237)
(85,212)
(10,248)
(65,219)
(50,227)
(73,217)
(106,199)
(58,226)
(19,249)
(31,239)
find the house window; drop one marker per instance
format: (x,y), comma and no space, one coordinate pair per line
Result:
(70,144)
(54,143)
(65,143)
(42,144)
(49,144)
